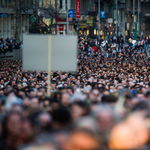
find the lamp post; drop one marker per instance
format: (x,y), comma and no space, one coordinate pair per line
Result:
(99,19)
(138,17)
(133,16)
(116,17)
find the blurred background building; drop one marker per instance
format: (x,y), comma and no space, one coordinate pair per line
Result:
(50,16)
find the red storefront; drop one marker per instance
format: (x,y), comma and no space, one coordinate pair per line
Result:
(60,27)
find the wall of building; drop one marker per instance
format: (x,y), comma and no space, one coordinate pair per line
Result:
(7,26)
(15,55)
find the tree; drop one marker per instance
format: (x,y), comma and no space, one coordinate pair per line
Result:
(36,17)
(39,11)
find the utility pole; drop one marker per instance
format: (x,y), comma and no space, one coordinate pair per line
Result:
(67,15)
(99,19)
(17,17)
(133,15)
(138,17)
(116,17)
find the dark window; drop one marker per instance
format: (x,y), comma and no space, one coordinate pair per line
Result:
(66,4)
(3,3)
(73,4)
(60,4)
(83,5)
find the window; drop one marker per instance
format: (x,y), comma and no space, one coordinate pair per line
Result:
(136,4)
(30,2)
(53,3)
(83,5)
(130,3)
(122,1)
(6,2)
(66,4)
(73,4)
(3,3)
(40,3)
(60,6)
(46,3)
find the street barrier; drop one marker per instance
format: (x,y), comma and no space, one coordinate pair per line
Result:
(15,54)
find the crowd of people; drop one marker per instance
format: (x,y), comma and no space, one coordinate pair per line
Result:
(104,105)
(8,44)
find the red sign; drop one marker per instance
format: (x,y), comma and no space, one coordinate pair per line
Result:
(77,8)
(59,19)
(61,27)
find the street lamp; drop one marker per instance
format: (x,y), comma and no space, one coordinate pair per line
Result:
(116,17)
(138,17)
(91,12)
(99,4)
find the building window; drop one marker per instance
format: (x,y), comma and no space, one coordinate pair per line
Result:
(83,5)
(53,3)
(73,4)
(3,3)
(6,2)
(60,4)
(46,3)
(66,4)
(40,3)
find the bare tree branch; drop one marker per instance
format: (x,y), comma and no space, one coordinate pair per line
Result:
(50,11)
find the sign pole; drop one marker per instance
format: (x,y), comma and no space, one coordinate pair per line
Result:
(116,17)
(133,17)
(67,15)
(138,17)
(99,20)
(49,66)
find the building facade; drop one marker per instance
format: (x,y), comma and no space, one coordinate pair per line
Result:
(128,17)
(61,21)
(8,19)
(15,17)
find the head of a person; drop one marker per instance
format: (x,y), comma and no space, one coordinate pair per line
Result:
(12,125)
(147,94)
(65,99)
(82,139)
(53,86)
(34,102)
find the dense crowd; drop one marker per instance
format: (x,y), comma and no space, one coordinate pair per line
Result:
(8,44)
(104,105)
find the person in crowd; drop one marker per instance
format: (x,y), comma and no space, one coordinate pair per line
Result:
(104,105)
(9,44)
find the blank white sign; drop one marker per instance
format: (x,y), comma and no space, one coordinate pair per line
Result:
(63,50)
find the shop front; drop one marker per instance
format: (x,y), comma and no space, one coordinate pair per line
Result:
(61,27)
